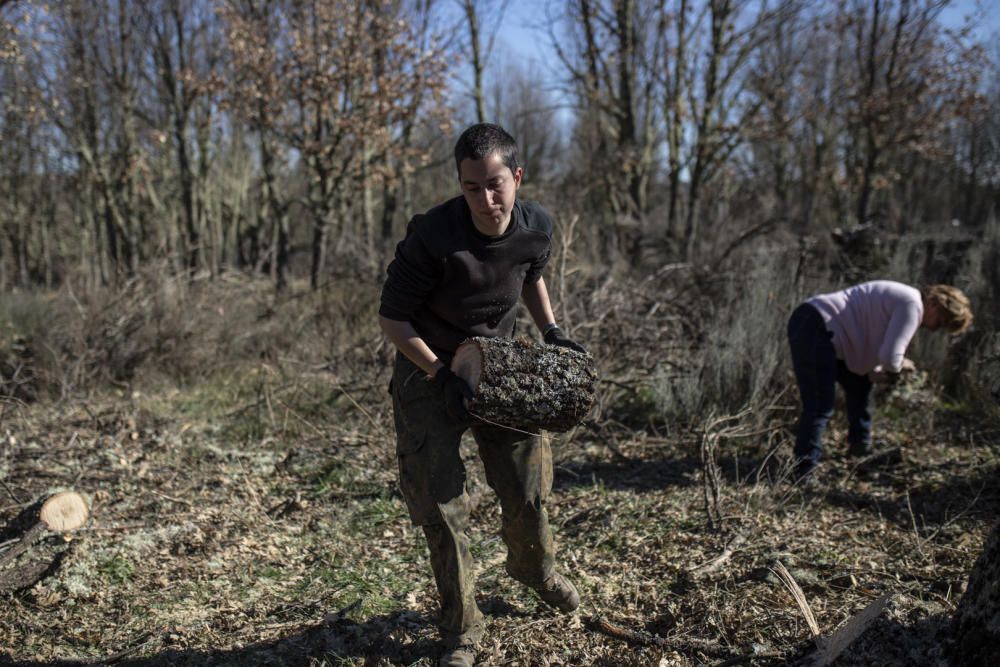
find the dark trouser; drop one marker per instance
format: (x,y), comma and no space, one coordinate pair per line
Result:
(432,478)
(817,369)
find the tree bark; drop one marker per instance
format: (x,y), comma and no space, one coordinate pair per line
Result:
(976,624)
(524,386)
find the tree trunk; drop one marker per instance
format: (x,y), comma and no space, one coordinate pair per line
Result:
(477,59)
(318,251)
(976,623)
(524,386)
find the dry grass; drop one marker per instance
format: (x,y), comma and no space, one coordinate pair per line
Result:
(246,512)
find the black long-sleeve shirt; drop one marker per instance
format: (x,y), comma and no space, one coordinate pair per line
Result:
(451,282)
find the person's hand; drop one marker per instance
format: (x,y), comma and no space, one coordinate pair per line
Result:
(456,391)
(881,377)
(888,379)
(555,336)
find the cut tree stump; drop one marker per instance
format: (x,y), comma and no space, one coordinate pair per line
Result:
(524,386)
(61,513)
(975,627)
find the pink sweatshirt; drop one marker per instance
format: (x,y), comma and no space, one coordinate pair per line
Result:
(872,323)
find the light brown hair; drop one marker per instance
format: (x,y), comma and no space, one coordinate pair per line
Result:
(953,305)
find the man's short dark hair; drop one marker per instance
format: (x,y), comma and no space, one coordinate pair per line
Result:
(482,140)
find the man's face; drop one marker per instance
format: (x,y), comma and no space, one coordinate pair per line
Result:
(490,188)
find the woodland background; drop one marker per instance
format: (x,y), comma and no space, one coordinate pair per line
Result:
(198,200)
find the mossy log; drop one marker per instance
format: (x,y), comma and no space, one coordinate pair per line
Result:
(975,627)
(526,386)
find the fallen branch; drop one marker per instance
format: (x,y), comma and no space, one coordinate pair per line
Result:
(705,569)
(892,456)
(643,638)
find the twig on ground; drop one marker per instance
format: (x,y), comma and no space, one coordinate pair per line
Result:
(642,638)
(800,598)
(711,566)
(10,492)
(171,498)
(712,433)
(913,522)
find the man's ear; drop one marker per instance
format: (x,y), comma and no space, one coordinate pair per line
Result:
(518,174)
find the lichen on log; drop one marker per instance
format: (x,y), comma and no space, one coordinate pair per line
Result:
(526,386)
(975,627)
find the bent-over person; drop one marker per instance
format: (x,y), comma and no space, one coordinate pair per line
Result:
(459,273)
(851,337)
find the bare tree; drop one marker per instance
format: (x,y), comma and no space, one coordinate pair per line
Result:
(718,108)
(335,106)
(675,77)
(253,40)
(612,56)
(99,83)
(529,112)
(478,50)
(13,169)
(127,128)
(420,104)
(904,87)
(186,52)
(974,626)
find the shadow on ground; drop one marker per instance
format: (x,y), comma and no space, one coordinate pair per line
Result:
(935,504)
(375,641)
(639,475)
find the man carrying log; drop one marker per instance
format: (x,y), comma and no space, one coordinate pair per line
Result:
(458,274)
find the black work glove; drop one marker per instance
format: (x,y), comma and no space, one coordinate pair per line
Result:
(555,336)
(456,390)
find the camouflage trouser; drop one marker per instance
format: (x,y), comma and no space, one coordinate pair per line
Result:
(432,479)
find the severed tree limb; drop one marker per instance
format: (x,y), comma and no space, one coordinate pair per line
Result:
(22,545)
(606,627)
(25,575)
(643,638)
(62,512)
(829,648)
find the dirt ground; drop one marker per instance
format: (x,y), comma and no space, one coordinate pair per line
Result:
(256,520)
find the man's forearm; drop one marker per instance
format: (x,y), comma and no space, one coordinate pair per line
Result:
(536,299)
(408,341)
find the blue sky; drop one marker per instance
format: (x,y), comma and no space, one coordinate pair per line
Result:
(524,21)
(523,33)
